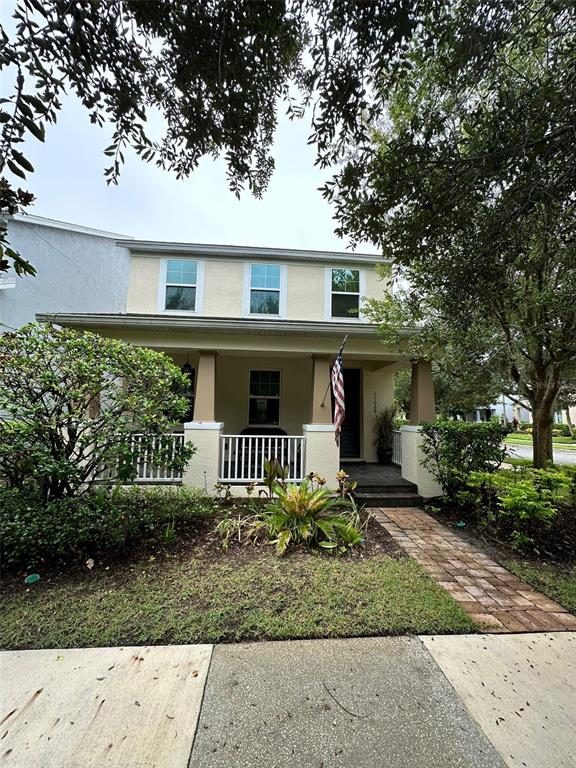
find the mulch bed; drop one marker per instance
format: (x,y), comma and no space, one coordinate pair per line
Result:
(557,545)
(198,539)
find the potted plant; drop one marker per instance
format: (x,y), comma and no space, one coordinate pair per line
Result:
(384,427)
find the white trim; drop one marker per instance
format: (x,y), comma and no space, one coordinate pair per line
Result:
(204,425)
(247,288)
(318,428)
(328,294)
(199,304)
(410,428)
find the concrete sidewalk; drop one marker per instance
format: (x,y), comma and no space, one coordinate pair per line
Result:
(477,700)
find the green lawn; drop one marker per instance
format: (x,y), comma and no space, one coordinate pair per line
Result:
(229,597)
(559,583)
(526,439)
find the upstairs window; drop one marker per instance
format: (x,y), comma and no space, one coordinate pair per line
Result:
(181,285)
(264,400)
(264,289)
(345,293)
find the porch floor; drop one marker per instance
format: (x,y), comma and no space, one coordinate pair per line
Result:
(375,475)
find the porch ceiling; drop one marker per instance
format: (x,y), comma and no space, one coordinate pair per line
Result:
(237,336)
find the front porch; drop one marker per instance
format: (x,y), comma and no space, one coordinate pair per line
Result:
(252,408)
(260,389)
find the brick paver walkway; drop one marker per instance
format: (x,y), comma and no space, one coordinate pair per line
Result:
(489,593)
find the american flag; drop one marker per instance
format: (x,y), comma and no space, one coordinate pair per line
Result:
(338,392)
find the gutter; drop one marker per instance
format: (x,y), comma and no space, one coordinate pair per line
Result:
(215,325)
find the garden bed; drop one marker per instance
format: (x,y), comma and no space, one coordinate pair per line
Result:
(194,591)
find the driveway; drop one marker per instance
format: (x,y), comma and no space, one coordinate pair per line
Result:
(481,700)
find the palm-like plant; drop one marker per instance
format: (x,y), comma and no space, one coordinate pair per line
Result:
(305,514)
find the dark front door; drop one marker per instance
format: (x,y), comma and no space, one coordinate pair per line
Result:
(350,435)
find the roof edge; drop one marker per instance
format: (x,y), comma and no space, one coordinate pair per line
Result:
(242,251)
(43,221)
(214,324)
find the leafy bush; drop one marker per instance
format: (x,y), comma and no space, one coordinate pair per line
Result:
(298,514)
(522,505)
(71,402)
(33,532)
(453,450)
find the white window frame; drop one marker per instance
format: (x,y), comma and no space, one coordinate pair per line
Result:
(267,397)
(248,289)
(360,317)
(199,287)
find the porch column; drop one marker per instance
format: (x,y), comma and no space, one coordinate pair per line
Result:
(422,408)
(422,405)
(204,402)
(321,399)
(322,455)
(204,432)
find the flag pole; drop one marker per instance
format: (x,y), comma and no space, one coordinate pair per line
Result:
(329,383)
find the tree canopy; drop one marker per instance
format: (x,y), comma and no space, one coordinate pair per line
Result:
(470,188)
(218,72)
(71,402)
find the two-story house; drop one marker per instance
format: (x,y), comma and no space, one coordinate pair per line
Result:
(257,330)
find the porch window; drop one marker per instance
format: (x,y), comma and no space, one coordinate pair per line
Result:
(181,285)
(345,292)
(264,289)
(264,400)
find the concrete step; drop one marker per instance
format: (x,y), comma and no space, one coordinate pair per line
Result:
(385,488)
(389,500)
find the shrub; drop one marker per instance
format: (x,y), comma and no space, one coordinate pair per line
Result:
(453,450)
(298,514)
(522,505)
(33,532)
(70,403)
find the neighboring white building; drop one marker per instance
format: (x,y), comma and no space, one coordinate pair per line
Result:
(508,410)
(78,269)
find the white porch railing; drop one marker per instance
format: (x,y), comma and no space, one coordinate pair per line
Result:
(397,447)
(242,457)
(147,472)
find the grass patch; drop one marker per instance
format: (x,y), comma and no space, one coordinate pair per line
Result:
(229,598)
(526,439)
(555,581)
(518,462)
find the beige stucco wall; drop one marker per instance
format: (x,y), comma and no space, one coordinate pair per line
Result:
(412,458)
(376,286)
(305,292)
(143,285)
(378,392)
(223,288)
(232,391)
(202,470)
(322,454)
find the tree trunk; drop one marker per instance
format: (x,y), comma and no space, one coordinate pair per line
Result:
(542,434)
(569,423)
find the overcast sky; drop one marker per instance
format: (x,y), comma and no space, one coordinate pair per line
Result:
(152,204)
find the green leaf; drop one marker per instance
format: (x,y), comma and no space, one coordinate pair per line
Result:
(15,169)
(22,161)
